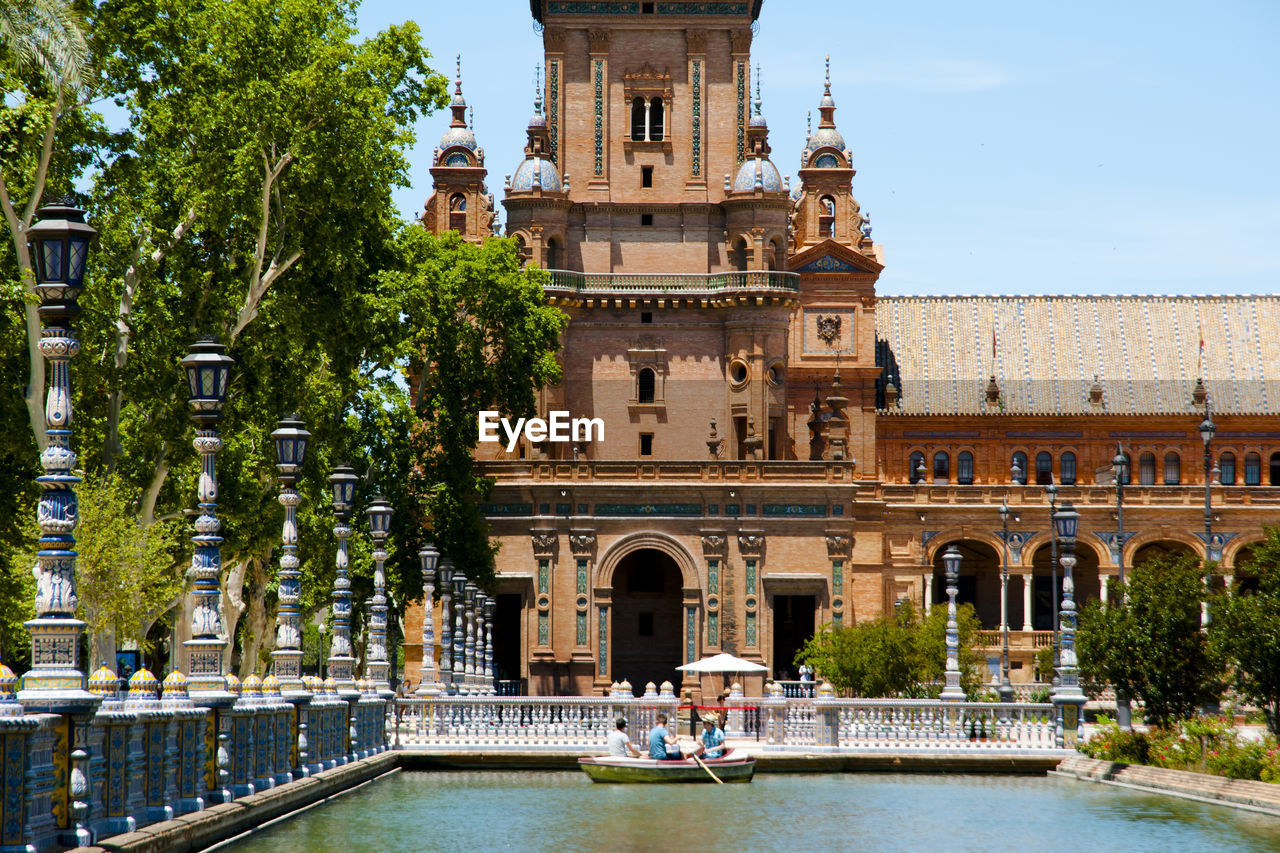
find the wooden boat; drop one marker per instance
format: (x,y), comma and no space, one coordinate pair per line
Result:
(734,766)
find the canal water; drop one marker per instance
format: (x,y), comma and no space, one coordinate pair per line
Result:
(564,811)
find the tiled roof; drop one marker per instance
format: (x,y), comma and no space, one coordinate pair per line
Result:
(1144,351)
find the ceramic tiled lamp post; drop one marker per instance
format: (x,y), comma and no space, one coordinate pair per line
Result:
(290,440)
(427,676)
(379,528)
(341,661)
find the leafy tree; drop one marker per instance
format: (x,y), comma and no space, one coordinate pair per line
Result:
(126,571)
(1148,642)
(1246,628)
(895,654)
(45,36)
(481,337)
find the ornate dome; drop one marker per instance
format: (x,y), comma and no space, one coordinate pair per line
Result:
(757,120)
(797,190)
(536,172)
(233,683)
(758,173)
(175,686)
(103,682)
(271,686)
(460,136)
(252,685)
(825,137)
(143,684)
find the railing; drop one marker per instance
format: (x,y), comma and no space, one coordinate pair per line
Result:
(798,689)
(644,473)
(487,723)
(674,283)
(921,724)
(523,722)
(1018,639)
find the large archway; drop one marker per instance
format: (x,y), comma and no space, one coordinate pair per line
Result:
(1159,549)
(1045,597)
(647,626)
(979,579)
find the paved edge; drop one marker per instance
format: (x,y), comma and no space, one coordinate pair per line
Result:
(203,829)
(1261,797)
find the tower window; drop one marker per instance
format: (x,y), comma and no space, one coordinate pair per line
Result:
(646,219)
(655,119)
(646,8)
(646,316)
(637,118)
(646,176)
(646,381)
(646,444)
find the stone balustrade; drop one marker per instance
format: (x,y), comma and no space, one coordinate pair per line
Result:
(146,755)
(684,284)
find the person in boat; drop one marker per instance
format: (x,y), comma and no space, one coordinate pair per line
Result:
(620,742)
(662,745)
(712,745)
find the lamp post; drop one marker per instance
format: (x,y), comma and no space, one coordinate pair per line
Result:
(290,439)
(1068,696)
(480,688)
(1124,713)
(459,644)
(1052,489)
(208,368)
(1005,689)
(1207,429)
(427,672)
(446,623)
(490,605)
(59,247)
(379,529)
(341,661)
(469,645)
(951,691)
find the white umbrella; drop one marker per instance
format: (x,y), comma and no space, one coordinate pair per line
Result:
(723,662)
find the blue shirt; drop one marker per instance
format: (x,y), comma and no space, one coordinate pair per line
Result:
(714,742)
(658,742)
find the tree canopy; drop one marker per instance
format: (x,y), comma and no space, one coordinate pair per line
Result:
(1245,627)
(1149,643)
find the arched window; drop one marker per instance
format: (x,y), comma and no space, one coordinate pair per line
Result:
(522,249)
(1019,462)
(1044,468)
(827,217)
(915,466)
(941,467)
(1126,470)
(646,380)
(775,254)
(738,254)
(1147,469)
(656,123)
(637,119)
(458,212)
(1227,469)
(553,254)
(1274,478)
(1252,469)
(1067,468)
(964,468)
(1172,469)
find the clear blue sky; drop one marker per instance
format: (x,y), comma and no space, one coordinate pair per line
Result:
(1011,147)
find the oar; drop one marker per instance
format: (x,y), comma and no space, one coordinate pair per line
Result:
(701,764)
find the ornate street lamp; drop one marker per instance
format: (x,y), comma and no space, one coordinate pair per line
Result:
(59,247)
(341,662)
(489,606)
(1068,696)
(480,686)
(1052,490)
(376,654)
(1006,689)
(459,639)
(1124,713)
(446,622)
(951,691)
(290,439)
(208,370)
(469,645)
(1207,429)
(427,677)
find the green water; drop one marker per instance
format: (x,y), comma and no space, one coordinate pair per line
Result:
(564,811)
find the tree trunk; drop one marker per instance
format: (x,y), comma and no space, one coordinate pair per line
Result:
(233,607)
(104,648)
(258,634)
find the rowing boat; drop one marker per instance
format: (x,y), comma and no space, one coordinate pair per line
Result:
(735,766)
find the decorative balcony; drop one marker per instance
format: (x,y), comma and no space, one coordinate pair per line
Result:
(675,284)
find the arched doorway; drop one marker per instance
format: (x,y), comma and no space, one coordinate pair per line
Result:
(1044,597)
(647,628)
(1159,549)
(979,580)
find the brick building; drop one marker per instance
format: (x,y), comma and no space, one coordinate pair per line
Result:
(783,448)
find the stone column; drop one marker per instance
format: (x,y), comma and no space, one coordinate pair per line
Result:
(427,676)
(928,593)
(1027,581)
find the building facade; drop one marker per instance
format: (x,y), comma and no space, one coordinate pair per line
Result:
(783,448)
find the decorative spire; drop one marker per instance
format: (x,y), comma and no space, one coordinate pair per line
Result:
(471,112)
(459,104)
(808,125)
(537,90)
(758,104)
(828,89)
